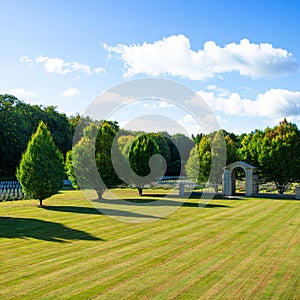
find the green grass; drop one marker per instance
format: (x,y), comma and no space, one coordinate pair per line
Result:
(231,249)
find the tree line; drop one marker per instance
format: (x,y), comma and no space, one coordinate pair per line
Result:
(274,151)
(18,121)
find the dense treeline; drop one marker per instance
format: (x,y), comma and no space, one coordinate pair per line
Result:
(130,162)
(274,151)
(18,121)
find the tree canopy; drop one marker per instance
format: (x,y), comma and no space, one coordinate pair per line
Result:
(141,150)
(18,121)
(275,153)
(89,165)
(41,170)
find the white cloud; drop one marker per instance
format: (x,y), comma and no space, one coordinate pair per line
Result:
(71,92)
(99,70)
(190,125)
(25,59)
(173,56)
(274,103)
(157,105)
(59,66)
(53,65)
(21,94)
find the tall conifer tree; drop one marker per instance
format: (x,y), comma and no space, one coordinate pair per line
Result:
(41,170)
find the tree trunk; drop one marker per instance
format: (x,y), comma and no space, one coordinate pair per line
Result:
(100,194)
(41,203)
(281,188)
(140,189)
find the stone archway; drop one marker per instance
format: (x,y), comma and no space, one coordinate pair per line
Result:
(229,179)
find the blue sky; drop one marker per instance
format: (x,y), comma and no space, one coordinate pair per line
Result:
(242,57)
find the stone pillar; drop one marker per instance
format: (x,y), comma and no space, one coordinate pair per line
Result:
(227,183)
(251,182)
(255,183)
(181,190)
(297,192)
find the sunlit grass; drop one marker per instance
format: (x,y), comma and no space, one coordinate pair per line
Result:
(230,249)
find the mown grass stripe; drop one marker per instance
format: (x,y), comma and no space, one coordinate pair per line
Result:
(158,260)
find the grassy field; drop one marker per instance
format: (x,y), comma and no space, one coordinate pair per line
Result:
(231,249)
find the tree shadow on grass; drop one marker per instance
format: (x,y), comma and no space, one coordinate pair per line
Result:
(73,209)
(162,202)
(101,211)
(203,205)
(24,228)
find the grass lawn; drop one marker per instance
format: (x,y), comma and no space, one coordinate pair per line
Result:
(231,249)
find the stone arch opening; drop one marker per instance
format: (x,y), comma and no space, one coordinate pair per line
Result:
(229,178)
(238,181)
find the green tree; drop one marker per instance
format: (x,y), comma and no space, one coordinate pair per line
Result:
(18,121)
(199,163)
(231,150)
(218,157)
(91,157)
(184,144)
(275,153)
(124,142)
(279,158)
(69,169)
(83,167)
(251,146)
(181,146)
(207,158)
(105,137)
(142,149)
(41,170)
(192,166)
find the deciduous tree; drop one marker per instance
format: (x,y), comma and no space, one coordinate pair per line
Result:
(92,162)
(142,149)
(279,158)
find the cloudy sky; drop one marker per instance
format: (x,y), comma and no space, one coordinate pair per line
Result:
(242,57)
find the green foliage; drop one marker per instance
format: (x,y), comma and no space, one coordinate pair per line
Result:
(83,158)
(184,144)
(251,146)
(103,157)
(197,138)
(192,166)
(231,150)
(69,169)
(41,169)
(181,146)
(18,121)
(199,163)
(279,159)
(208,159)
(139,155)
(124,142)
(275,152)
(205,159)
(167,145)
(91,157)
